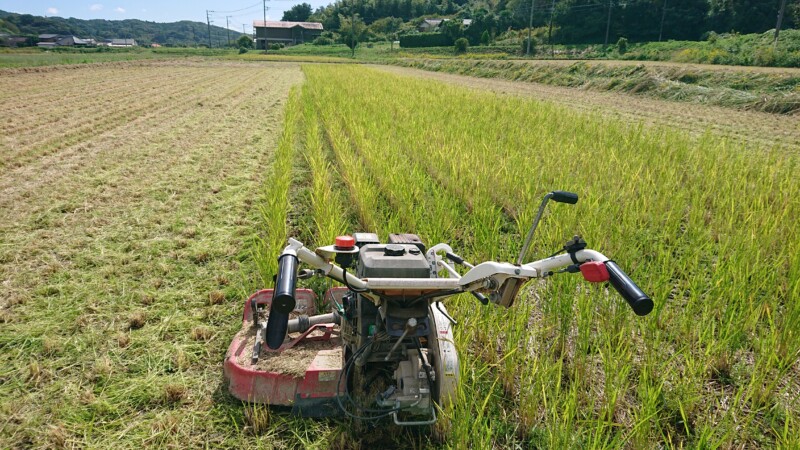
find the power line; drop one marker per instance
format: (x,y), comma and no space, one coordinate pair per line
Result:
(240,10)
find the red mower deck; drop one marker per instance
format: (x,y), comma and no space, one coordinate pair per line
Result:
(302,374)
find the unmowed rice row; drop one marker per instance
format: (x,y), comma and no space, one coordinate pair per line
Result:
(705,226)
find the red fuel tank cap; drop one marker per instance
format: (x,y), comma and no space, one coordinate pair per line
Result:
(344,243)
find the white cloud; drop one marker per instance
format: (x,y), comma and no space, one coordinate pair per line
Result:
(96,7)
(52,10)
(119,9)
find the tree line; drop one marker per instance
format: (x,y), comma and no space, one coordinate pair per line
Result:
(571,21)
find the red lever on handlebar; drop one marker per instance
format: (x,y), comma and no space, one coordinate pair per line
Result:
(594,271)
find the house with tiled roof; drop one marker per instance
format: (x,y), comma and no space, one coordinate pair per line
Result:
(287,33)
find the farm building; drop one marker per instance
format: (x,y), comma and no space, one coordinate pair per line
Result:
(48,40)
(432,25)
(287,33)
(429,25)
(120,43)
(7,40)
(58,40)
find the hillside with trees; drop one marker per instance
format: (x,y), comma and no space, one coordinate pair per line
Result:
(571,21)
(179,34)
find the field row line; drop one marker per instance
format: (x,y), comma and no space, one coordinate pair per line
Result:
(89,122)
(152,107)
(329,211)
(83,85)
(49,168)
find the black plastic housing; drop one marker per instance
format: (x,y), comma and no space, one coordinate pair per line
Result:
(636,298)
(564,197)
(283,300)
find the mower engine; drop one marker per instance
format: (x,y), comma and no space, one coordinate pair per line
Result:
(402,334)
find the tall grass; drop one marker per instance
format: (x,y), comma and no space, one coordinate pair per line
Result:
(329,211)
(707,227)
(276,207)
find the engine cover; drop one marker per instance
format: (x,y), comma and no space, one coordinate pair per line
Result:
(392,261)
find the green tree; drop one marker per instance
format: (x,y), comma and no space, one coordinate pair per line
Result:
(461,45)
(743,16)
(485,38)
(298,13)
(244,41)
(386,25)
(622,46)
(352,29)
(452,29)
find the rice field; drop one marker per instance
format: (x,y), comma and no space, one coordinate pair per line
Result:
(130,237)
(705,225)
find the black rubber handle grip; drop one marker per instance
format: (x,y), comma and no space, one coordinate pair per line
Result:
(283,300)
(564,197)
(639,301)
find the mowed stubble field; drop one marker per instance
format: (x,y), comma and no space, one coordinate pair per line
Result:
(128,195)
(134,192)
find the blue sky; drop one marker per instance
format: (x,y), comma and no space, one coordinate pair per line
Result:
(159,10)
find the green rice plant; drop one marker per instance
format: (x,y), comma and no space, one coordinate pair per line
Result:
(364,195)
(275,206)
(705,226)
(330,214)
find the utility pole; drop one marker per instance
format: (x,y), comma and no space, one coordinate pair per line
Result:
(663,14)
(530,25)
(243,32)
(353,33)
(208,21)
(608,22)
(778,25)
(265,26)
(228,27)
(550,30)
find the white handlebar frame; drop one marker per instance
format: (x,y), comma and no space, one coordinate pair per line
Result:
(488,276)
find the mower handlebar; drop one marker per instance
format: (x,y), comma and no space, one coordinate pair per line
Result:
(477,277)
(636,298)
(283,300)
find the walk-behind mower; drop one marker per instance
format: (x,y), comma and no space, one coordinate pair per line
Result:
(385,348)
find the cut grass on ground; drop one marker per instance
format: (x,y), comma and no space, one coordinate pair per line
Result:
(125,257)
(743,89)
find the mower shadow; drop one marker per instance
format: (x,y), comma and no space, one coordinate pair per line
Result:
(254,420)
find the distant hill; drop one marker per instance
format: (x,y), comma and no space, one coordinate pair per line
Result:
(183,33)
